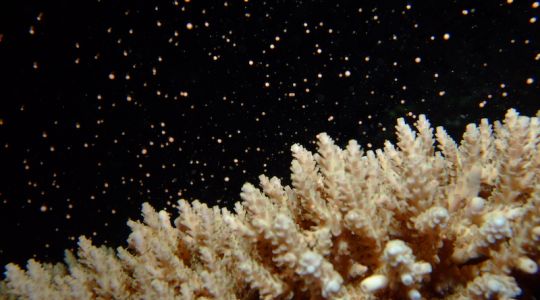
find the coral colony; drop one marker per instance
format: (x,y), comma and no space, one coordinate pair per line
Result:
(422,219)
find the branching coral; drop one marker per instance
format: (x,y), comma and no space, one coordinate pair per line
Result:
(426,219)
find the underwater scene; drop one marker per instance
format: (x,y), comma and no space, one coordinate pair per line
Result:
(247,149)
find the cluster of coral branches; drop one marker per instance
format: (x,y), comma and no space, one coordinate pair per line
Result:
(425,218)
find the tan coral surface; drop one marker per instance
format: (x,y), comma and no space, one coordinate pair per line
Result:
(422,219)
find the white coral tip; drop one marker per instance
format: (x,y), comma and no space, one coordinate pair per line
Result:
(137,240)
(309,263)
(421,268)
(395,248)
(440,215)
(374,283)
(499,221)
(282,223)
(476,205)
(407,279)
(357,270)
(414,295)
(527,265)
(164,218)
(296,148)
(494,285)
(536,233)
(332,286)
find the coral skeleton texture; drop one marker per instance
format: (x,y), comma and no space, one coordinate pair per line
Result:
(425,218)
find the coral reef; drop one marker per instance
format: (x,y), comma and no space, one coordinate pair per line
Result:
(426,218)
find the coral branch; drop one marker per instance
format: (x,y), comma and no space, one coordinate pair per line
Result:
(425,218)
